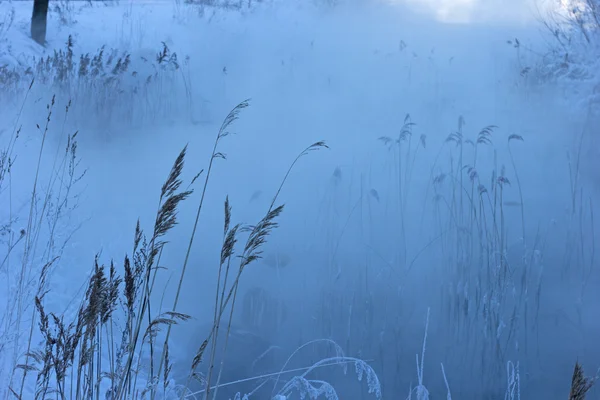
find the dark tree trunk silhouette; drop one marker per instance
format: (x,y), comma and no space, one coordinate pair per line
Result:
(39,20)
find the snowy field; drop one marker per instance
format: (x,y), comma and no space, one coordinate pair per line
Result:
(451,212)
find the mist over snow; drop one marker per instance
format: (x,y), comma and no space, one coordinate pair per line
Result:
(457,190)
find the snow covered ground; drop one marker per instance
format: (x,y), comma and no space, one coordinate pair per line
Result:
(369,245)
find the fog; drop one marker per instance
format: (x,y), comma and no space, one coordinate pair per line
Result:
(456,190)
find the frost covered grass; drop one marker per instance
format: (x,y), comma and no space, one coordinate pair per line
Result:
(100,351)
(571,59)
(33,245)
(108,83)
(463,210)
(490,271)
(483,291)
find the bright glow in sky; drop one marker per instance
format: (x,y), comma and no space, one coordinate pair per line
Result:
(478,11)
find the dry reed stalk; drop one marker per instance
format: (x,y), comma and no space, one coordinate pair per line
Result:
(580,384)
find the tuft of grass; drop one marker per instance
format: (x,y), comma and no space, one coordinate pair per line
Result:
(52,199)
(252,251)
(98,352)
(108,83)
(580,384)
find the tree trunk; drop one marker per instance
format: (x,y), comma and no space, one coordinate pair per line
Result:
(39,20)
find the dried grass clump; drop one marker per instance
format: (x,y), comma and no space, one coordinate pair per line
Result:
(28,261)
(98,351)
(484,291)
(580,384)
(110,84)
(573,52)
(71,364)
